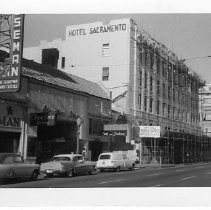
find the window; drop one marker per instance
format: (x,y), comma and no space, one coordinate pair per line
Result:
(145,81)
(150,105)
(32,142)
(207,100)
(75,159)
(105,74)
(169,111)
(63,62)
(164,90)
(145,103)
(105,157)
(169,92)
(105,51)
(124,156)
(8,160)
(158,87)
(61,158)
(158,66)
(174,113)
(145,58)
(17,159)
(158,107)
(96,126)
(151,61)
(163,69)
(140,100)
(50,57)
(164,109)
(151,84)
(140,82)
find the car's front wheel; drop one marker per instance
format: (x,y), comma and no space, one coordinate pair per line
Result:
(92,170)
(132,167)
(49,175)
(34,175)
(70,173)
(117,169)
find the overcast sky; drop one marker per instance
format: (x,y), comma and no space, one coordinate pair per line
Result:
(188,35)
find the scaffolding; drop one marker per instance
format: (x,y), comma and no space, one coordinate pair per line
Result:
(168,96)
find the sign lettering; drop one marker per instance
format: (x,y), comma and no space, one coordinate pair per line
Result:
(10,74)
(10,116)
(149,131)
(42,118)
(98,29)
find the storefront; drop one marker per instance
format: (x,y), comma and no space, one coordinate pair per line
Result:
(120,133)
(56,133)
(11,127)
(50,113)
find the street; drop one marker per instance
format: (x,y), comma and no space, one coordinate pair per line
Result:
(196,175)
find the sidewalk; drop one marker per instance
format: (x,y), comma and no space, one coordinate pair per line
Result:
(155,166)
(167,165)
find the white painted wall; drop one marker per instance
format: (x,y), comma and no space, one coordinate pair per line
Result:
(82,49)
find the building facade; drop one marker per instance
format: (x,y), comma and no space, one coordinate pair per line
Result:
(53,113)
(205,108)
(148,82)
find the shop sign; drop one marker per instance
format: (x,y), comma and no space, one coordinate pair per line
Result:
(149,131)
(115,127)
(65,116)
(10,74)
(115,133)
(46,119)
(10,116)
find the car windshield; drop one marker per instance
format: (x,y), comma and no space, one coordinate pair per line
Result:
(104,157)
(3,156)
(61,158)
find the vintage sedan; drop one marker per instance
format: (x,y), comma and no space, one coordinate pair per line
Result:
(13,166)
(68,165)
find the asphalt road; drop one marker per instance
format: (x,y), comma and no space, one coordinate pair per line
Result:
(197,175)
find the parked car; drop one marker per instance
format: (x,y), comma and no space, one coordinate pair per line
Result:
(13,166)
(68,165)
(114,160)
(133,155)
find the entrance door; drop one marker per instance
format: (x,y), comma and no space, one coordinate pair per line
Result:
(9,141)
(96,147)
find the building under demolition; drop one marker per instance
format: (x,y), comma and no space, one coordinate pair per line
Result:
(150,85)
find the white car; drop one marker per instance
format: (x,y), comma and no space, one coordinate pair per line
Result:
(115,161)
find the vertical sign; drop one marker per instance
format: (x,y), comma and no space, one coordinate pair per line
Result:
(10,74)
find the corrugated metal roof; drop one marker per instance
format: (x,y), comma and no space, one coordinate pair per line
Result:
(70,82)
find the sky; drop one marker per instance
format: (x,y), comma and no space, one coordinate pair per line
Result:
(187,34)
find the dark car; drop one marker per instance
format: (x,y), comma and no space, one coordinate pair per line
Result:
(13,166)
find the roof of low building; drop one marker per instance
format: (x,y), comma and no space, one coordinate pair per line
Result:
(57,77)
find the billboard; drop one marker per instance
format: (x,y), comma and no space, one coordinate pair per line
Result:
(149,131)
(10,72)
